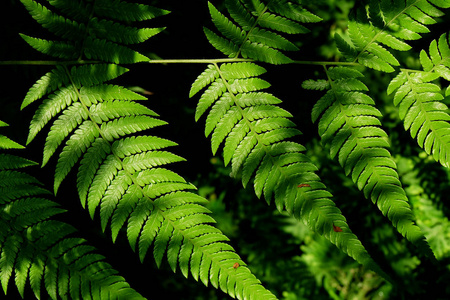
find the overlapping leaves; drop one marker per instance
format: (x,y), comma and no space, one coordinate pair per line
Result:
(121,173)
(257,141)
(36,248)
(121,170)
(420,101)
(387,23)
(256,27)
(349,124)
(92,31)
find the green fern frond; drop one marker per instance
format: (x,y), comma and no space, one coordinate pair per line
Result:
(87,34)
(420,101)
(256,136)
(35,248)
(349,124)
(122,174)
(257,33)
(388,24)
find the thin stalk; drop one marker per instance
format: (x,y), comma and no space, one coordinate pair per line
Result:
(171,61)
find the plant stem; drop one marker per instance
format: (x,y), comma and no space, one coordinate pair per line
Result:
(170,61)
(45,62)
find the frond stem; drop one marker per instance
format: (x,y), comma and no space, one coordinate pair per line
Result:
(174,61)
(198,61)
(46,62)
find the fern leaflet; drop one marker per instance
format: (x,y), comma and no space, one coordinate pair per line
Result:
(420,101)
(256,136)
(349,124)
(257,34)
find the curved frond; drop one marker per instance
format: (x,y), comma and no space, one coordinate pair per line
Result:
(387,24)
(256,27)
(257,141)
(45,252)
(349,124)
(420,101)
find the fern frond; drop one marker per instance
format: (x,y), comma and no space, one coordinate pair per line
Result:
(122,174)
(257,34)
(44,251)
(89,33)
(388,24)
(349,124)
(256,136)
(420,101)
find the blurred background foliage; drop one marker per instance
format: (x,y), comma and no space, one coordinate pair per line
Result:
(290,260)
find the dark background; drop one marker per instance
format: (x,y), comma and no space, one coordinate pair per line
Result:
(276,248)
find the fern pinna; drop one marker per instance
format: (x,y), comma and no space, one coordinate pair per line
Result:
(420,101)
(121,169)
(35,247)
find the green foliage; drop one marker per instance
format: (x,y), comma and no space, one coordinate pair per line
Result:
(388,23)
(420,101)
(349,124)
(37,248)
(122,174)
(257,34)
(256,137)
(97,134)
(96,38)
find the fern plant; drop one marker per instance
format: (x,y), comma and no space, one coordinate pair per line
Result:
(256,135)
(101,128)
(121,173)
(38,248)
